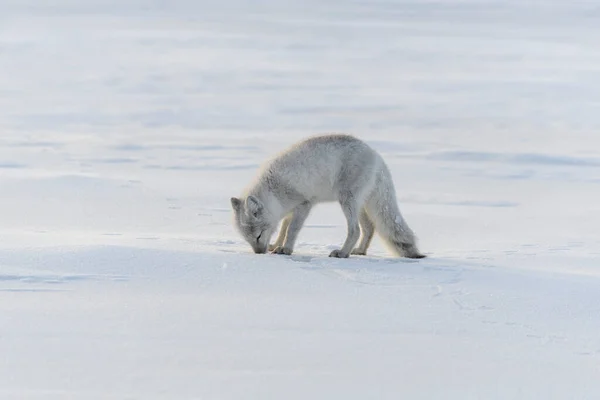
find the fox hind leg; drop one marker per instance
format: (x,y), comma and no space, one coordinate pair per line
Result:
(350,208)
(367,230)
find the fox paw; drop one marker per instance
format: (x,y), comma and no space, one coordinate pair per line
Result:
(272,247)
(282,250)
(358,252)
(338,254)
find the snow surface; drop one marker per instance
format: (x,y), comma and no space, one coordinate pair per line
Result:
(127,125)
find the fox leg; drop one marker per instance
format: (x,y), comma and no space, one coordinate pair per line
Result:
(282,232)
(299,215)
(367,229)
(350,208)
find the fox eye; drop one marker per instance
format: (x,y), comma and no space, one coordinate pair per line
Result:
(259,235)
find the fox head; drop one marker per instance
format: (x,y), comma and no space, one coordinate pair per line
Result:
(252,220)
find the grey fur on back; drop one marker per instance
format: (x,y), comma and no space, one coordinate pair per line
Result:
(319,169)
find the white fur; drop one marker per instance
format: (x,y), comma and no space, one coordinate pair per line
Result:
(323,169)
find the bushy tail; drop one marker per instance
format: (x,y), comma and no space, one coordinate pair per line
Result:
(382,209)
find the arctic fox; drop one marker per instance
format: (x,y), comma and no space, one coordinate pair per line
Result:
(320,169)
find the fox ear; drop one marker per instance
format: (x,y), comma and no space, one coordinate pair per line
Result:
(236,203)
(253,206)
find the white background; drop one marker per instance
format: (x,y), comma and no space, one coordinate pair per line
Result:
(125,126)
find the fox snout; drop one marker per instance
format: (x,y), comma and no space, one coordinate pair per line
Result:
(260,250)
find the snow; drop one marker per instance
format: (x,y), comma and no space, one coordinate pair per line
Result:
(127,125)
